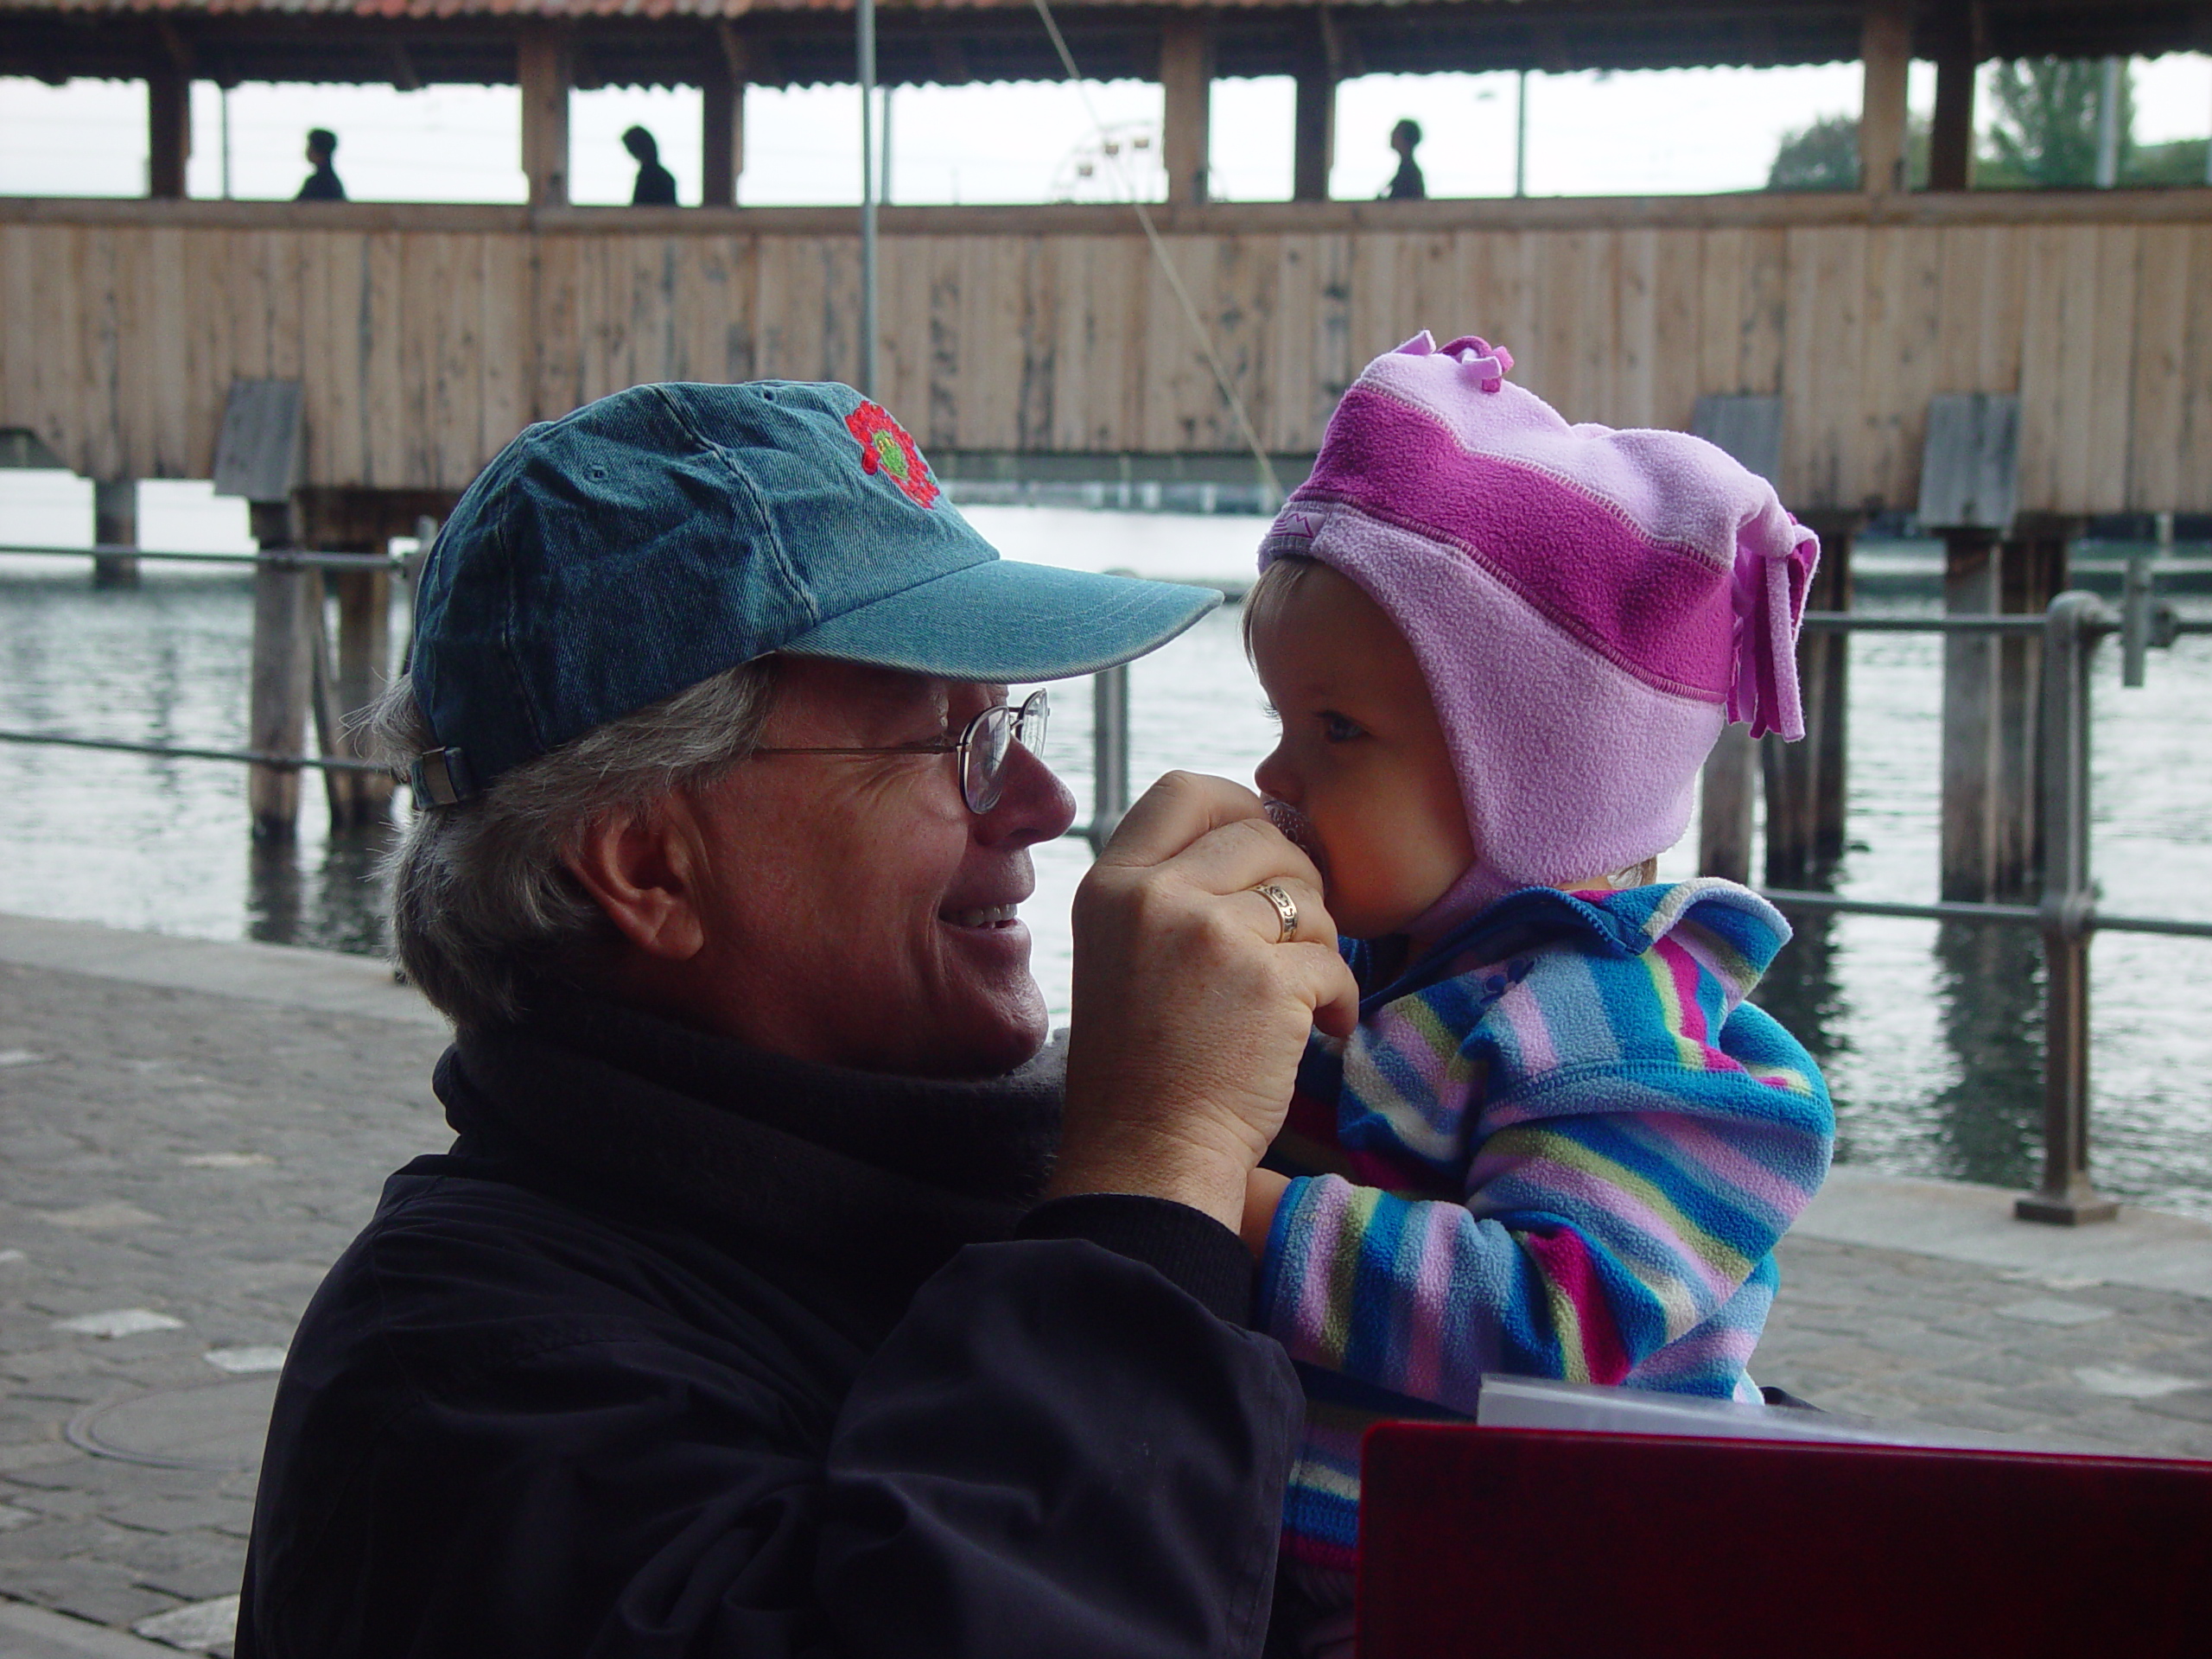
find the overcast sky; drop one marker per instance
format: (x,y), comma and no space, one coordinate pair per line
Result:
(1651,132)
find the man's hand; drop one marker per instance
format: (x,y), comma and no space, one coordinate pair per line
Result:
(1189,1016)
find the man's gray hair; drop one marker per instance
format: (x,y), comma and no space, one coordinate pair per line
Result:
(482,900)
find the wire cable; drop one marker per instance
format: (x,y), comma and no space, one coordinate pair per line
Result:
(1166,266)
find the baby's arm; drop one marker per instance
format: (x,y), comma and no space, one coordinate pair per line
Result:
(1614,1207)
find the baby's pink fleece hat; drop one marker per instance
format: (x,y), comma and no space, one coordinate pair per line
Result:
(1589,607)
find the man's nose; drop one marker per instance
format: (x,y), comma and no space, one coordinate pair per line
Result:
(1033,804)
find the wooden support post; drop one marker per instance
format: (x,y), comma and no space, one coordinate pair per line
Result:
(722,132)
(1314,124)
(1186,85)
(1724,828)
(1972,563)
(168,129)
(1885,47)
(1969,490)
(363,669)
(283,674)
(323,704)
(545,67)
(2033,572)
(1950,138)
(115,524)
(1805,780)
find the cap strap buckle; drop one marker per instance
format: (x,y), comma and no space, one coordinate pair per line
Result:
(440,778)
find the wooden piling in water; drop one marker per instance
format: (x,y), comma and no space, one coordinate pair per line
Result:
(2034,572)
(364,659)
(1805,780)
(115,524)
(282,673)
(1969,495)
(1971,562)
(1724,830)
(1993,696)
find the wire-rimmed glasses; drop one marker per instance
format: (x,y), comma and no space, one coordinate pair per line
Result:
(983,748)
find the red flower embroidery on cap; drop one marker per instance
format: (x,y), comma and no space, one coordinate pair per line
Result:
(886,448)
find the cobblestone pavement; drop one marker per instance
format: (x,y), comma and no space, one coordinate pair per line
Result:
(178,1168)
(2067,1361)
(199,1158)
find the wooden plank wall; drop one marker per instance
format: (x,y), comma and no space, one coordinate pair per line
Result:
(424,349)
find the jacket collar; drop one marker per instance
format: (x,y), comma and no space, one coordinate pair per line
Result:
(850,1171)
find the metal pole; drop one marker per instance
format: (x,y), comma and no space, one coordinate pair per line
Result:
(885,190)
(2066,1197)
(2135,619)
(867,9)
(2108,126)
(225,95)
(1521,139)
(1109,753)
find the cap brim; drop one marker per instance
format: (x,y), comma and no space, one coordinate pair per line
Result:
(1002,621)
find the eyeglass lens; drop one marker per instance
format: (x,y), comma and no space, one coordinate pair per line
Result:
(990,739)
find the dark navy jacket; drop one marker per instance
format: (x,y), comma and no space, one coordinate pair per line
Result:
(684,1349)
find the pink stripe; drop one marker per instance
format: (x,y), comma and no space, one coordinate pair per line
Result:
(1524,1018)
(1321,1220)
(1564,1259)
(1662,612)
(1300,1546)
(1682,969)
(1424,1377)
(1549,1181)
(1697,1143)
(1695,1352)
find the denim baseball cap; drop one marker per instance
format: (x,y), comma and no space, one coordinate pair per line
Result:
(661,535)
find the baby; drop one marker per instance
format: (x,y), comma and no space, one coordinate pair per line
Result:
(1560,1143)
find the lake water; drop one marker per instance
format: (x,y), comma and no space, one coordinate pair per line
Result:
(1931,1036)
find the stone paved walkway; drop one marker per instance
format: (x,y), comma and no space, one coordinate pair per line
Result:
(178,1166)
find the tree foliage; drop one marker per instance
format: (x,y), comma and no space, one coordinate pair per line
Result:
(1822,156)
(2044,126)
(1825,155)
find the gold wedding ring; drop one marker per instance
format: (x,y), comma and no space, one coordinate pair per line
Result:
(1285,910)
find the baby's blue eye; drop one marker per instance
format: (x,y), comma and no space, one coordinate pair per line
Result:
(1338,730)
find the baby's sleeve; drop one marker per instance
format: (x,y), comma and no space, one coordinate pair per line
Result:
(1640,1149)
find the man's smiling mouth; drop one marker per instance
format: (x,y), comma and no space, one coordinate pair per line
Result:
(989,916)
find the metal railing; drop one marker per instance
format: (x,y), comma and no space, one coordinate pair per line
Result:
(2066,916)
(286,559)
(401,564)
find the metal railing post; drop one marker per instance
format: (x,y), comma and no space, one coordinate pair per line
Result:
(2066,1196)
(1109,753)
(2135,611)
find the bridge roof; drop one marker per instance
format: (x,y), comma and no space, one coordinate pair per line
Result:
(784,42)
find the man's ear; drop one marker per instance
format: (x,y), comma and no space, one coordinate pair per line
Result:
(641,867)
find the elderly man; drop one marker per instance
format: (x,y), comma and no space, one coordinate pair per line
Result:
(779,1295)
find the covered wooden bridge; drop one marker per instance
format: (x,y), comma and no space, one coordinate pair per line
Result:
(424,336)
(1817,333)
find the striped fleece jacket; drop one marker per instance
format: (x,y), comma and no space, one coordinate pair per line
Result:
(1561,1144)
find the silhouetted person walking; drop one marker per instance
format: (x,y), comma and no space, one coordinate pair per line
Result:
(656,184)
(1405,184)
(322,184)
